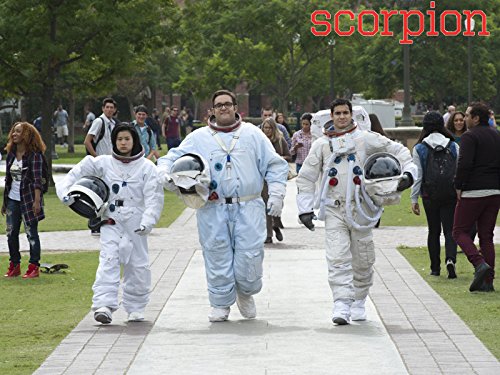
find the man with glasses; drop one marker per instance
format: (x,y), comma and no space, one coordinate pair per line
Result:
(170,129)
(232,223)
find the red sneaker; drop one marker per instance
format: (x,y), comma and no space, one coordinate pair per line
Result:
(32,272)
(14,270)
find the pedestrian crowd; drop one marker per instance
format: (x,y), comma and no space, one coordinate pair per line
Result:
(234,174)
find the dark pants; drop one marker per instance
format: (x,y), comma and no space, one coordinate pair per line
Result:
(14,218)
(271,221)
(173,143)
(297,167)
(484,212)
(440,214)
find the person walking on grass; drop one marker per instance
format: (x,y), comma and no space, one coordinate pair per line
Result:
(435,156)
(23,195)
(477,184)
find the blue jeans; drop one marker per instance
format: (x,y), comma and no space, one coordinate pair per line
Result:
(297,167)
(14,218)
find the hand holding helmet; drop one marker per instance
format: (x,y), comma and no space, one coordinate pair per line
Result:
(68,200)
(274,205)
(143,230)
(405,182)
(307,220)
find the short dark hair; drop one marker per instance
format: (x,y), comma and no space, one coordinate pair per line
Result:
(481,110)
(306,116)
(141,108)
(266,108)
(224,92)
(108,100)
(338,102)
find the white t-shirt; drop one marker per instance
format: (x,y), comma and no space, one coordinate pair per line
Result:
(104,147)
(16,170)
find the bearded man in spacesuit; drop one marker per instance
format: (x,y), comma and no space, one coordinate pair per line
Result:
(134,206)
(232,223)
(336,159)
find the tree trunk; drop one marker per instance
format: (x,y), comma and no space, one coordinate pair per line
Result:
(71,125)
(47,130)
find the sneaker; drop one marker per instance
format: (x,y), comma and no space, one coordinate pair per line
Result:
(246,305)
(14,270)
(435,273)
(32,272)
(136,316)
(341,312)
(479,275)
(268,240)
(95,232)
(103,315)
(219,314)
(279,235)
(358,312)
(450,266)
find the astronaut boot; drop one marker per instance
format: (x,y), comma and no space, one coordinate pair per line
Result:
(219,314)
(358,311)
(103,315)
(136,316)
(246,305)
(342,312)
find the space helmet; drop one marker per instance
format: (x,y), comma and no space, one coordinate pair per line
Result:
(361,117)
(382,173)
(191,174)
(90,194)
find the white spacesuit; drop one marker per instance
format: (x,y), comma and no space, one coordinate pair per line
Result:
(338,163)
(135,204)
(231,225)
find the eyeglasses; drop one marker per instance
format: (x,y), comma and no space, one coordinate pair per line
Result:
(227,105)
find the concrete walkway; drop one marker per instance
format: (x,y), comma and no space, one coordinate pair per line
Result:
(410,329)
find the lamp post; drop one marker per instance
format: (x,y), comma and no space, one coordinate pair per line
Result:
(331,43)
(469,61)
(406,120)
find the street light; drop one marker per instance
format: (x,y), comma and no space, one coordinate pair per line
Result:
(469,61)
(406,120)
(331,43)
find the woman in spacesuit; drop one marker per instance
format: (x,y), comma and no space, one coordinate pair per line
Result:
(133,208)
(337,160)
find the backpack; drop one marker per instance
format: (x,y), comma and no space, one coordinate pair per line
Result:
(439,171)
(45,172)
(100,136)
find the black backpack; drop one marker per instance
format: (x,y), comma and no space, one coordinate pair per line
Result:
(100,136)
(439,172)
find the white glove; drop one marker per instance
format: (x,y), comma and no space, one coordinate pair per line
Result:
(169,184)
(68,200)
(143,230)
(274,205)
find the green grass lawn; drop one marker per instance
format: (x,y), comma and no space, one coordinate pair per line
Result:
(37,314)
(480,311)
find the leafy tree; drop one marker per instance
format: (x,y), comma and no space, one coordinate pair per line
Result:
(44,42)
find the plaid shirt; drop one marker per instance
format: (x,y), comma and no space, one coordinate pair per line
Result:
(31,179)
(306,140)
